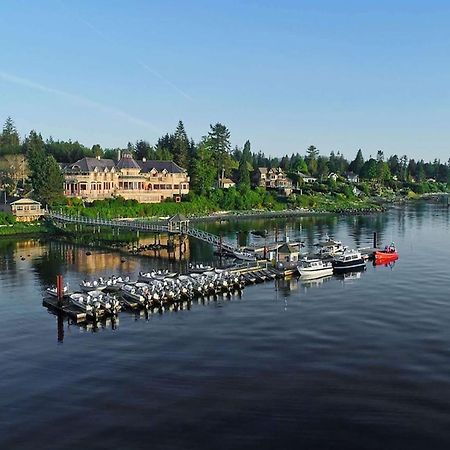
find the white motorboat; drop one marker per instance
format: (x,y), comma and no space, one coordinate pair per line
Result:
(314,268)
(85,302)
(54,293)
(348,261)
(96,285)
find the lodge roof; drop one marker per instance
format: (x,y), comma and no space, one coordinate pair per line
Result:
(88,164)
(170,166)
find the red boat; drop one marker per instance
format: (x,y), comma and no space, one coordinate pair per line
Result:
(387,255)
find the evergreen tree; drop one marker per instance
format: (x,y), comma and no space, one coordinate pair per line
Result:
(9,139)
(45,174)
(219,141)
(180,146)
(143,150)
(245,165)
(204,168)
(357,164)
(311,159)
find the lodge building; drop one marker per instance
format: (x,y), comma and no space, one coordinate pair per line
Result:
(144,181)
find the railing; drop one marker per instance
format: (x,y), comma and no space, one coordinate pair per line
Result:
(138,225)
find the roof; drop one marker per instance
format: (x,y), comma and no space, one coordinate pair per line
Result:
(262,169)
(286,248)
(351,174)
(178,218)
(226,180)
(25,201)
(89,164)
(128,162)
(170,166)
(303,175)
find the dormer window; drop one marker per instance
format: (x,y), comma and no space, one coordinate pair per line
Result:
(95,169)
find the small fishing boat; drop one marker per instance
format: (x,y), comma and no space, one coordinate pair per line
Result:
(52,291)
(314,268)
(96,285)
(86,303)
(199,268)
(349,260)
(387,255)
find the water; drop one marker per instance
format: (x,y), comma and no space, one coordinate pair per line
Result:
(360,362)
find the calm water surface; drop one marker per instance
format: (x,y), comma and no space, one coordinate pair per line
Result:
(360,362)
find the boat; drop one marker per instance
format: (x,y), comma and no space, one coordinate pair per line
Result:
(53,292)
(86,303)
(387,255)
(331,247)
(349,260)
(314,268)
(244,256)
(96,285)
(199,268)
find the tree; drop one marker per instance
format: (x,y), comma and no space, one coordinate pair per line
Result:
(357,164)
(45,174)
(97,150)
(219,141)
(322,168)
(311,159)
(9,139)
(301,166)
(369,170)
(180,146)
(15,168)
(245,165)
(204,168)
(51,190)
(143,150)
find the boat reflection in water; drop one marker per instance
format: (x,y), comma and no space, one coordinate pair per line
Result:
(351,276)
(315,283)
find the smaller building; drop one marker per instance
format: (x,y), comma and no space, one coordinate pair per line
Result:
(274,178)
(24,209)
(288,253)
(178,223)
(352,177)
(306,178)
(226,183)
(333,176)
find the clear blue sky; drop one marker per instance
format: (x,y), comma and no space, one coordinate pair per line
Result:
(341,75)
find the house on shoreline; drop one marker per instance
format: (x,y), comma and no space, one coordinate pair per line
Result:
(22,208)
(146,181)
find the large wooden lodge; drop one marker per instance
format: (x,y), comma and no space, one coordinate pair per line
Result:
(144,181)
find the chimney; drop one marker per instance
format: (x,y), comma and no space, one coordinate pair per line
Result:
(98,157)
(144,159)
(118,155)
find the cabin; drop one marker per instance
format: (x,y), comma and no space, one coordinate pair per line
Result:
(288,253)
(24,209)
(226,183)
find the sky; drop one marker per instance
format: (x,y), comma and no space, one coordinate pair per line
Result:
(284,74)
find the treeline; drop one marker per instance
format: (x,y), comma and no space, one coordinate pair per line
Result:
(31,163)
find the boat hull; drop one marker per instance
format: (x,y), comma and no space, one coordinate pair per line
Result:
(357,264)
(306,274)
(385,257)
